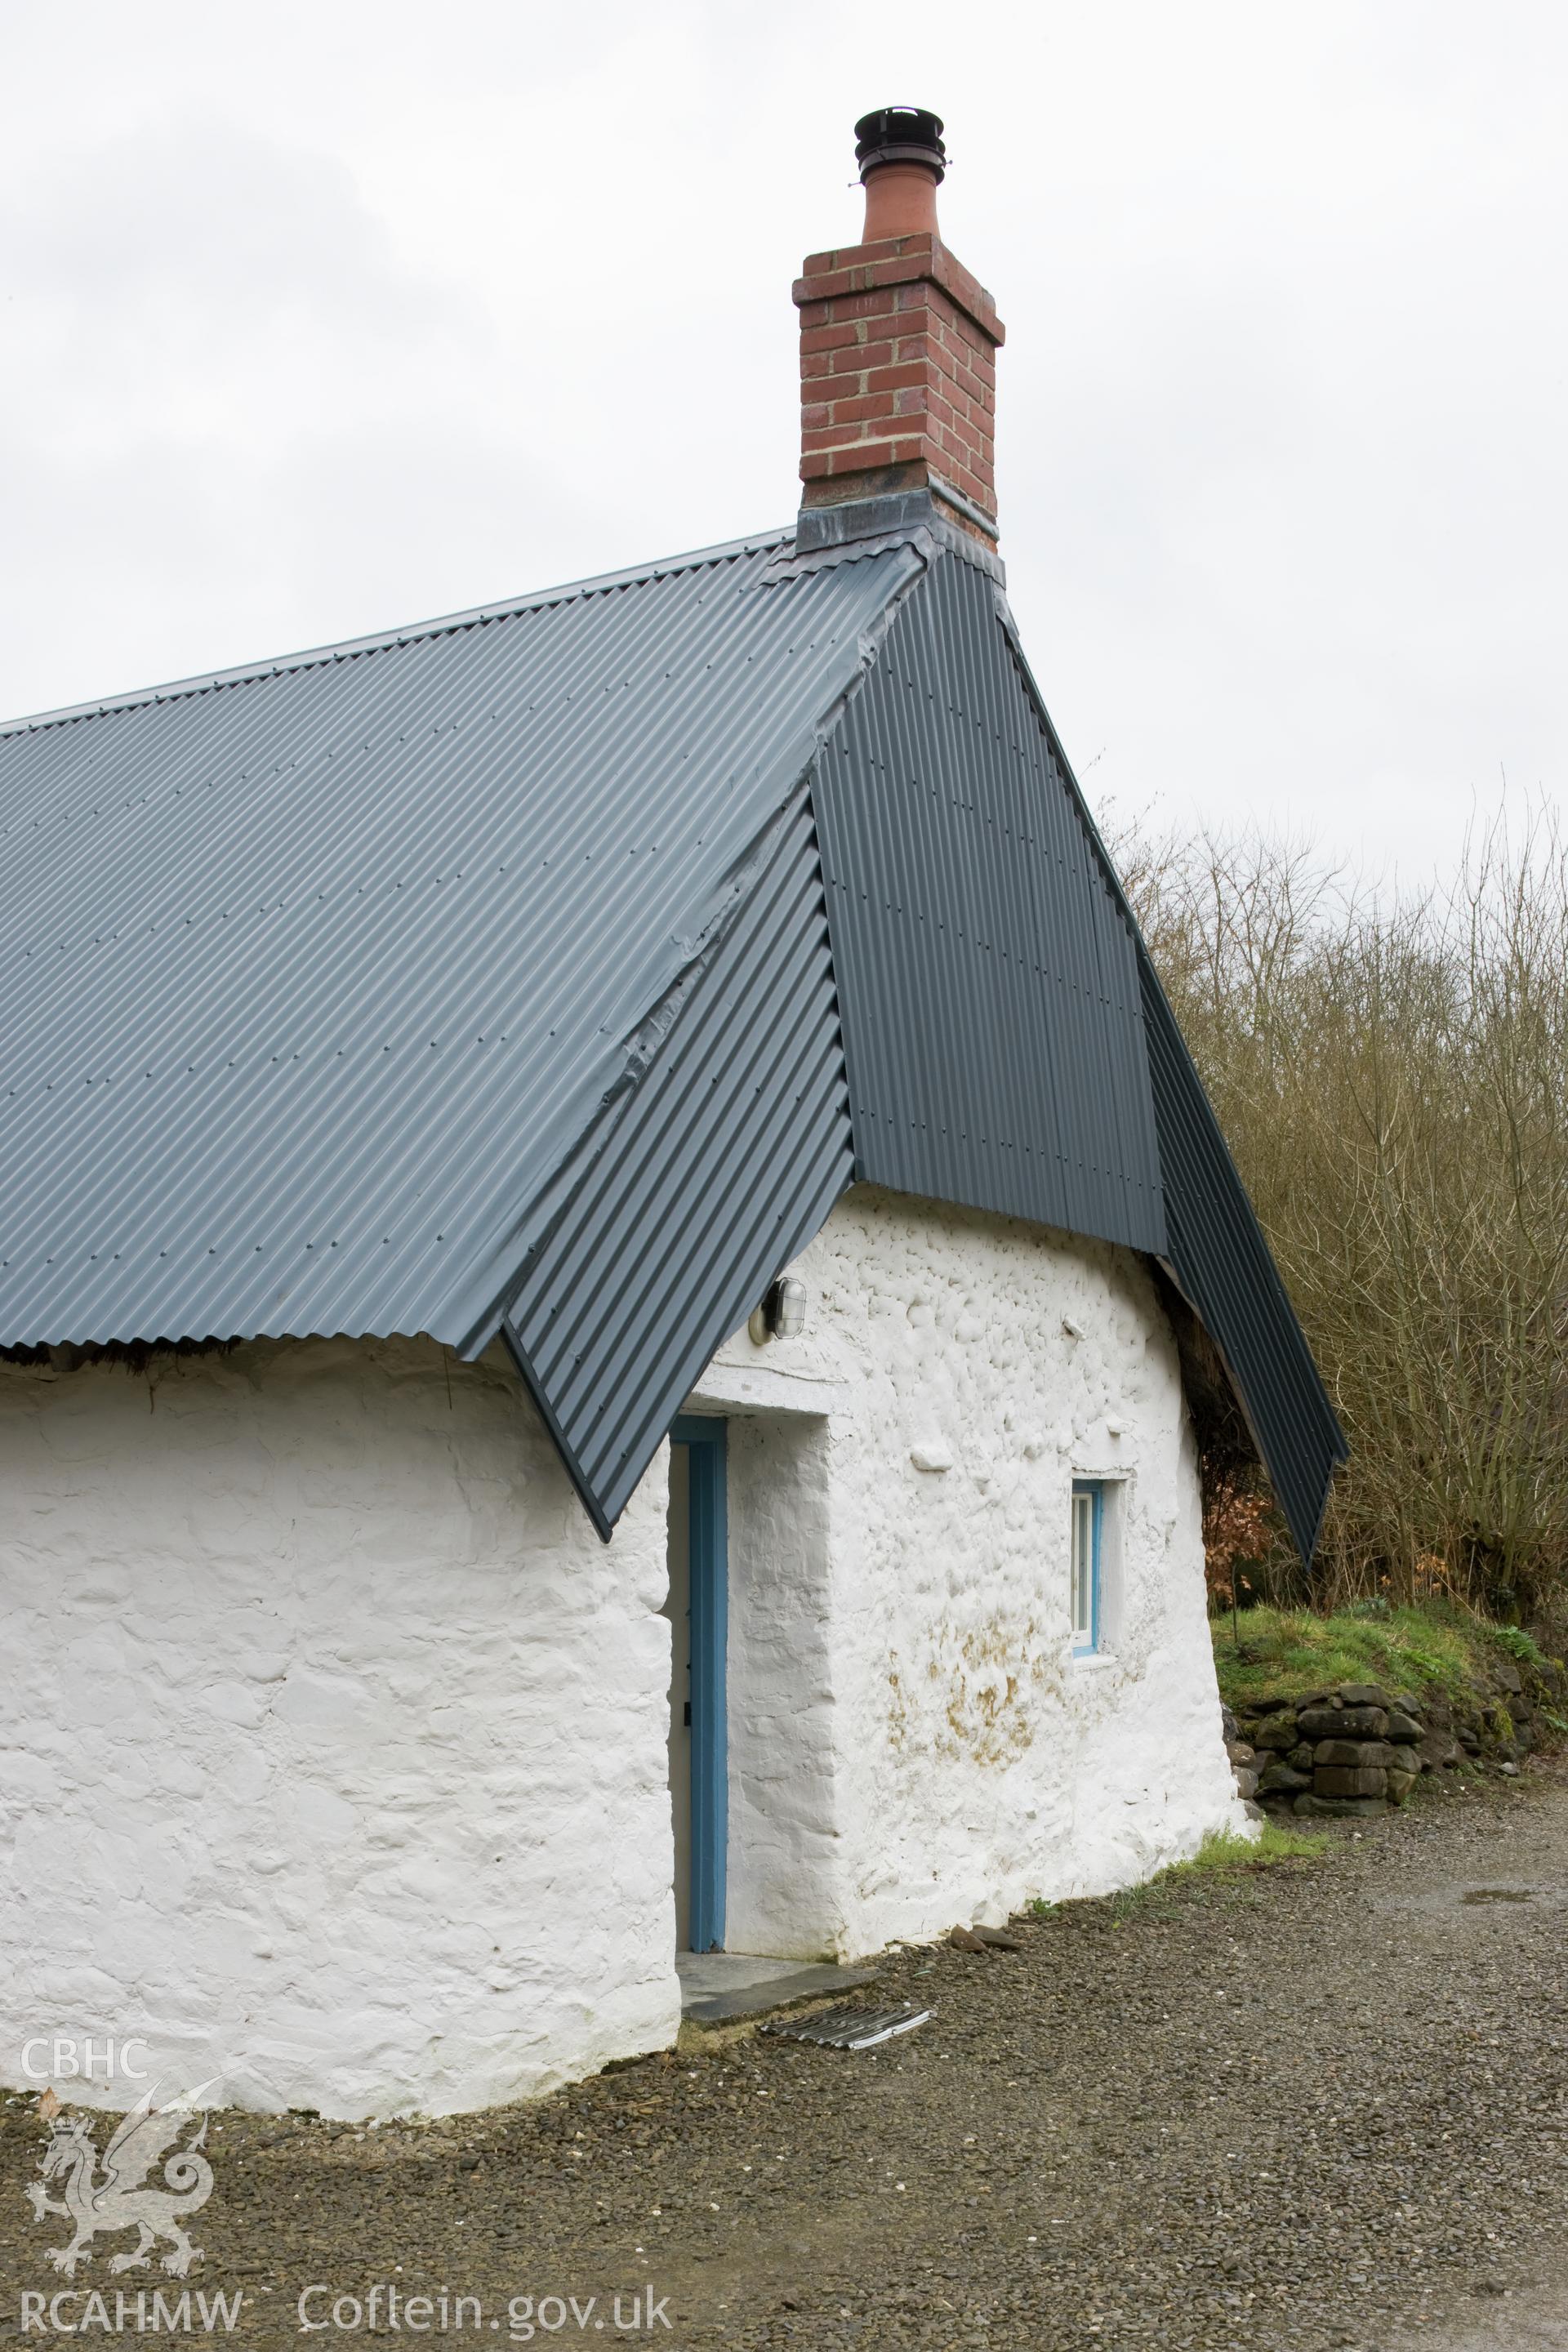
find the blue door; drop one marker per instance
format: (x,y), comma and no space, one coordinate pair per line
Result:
(708,1609)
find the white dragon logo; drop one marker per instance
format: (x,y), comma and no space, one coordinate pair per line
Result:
(120,2200)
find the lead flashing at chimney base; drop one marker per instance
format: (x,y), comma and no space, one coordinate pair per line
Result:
(865,526)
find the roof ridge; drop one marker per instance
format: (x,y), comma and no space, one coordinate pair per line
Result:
(312,656)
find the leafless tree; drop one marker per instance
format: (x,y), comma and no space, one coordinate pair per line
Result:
(1391,1067)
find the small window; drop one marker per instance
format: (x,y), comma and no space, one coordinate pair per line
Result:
(1088,1517)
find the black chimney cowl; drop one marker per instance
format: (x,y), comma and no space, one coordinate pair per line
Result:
(901,135)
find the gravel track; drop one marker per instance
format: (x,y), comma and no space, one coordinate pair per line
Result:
(1323,2104)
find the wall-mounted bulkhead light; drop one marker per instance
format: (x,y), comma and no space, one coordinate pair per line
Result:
(782,1313)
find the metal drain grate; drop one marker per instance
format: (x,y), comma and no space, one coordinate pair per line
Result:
(848,2029)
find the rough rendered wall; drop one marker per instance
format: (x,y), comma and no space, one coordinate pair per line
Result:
(334,1741)
(785,1858)
(974,1763)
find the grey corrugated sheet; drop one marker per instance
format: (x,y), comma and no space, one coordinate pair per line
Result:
(1007,1044)
(315,978)
(486,968)
(992,1023)
(1214,1246)
(726,1161)
(1224,1266)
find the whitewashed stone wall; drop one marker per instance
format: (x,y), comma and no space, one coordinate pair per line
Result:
(786,1740)
(332,1756)
(957,1759)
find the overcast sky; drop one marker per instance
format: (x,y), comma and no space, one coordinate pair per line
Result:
(321,319)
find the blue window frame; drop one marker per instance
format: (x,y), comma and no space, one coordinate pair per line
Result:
(1088,1522)
(709,1536)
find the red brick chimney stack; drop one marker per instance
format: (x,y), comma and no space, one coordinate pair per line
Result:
(897,343)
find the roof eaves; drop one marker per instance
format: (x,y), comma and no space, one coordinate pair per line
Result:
(317,657)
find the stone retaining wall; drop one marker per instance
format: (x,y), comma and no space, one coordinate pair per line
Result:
(1357,1748)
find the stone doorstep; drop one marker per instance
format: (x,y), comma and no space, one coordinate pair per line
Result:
(745,1986)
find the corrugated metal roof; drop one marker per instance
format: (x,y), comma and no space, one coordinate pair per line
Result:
(728,1159)
(1214,1248)
(993,1024)
(316,976)
(485,969)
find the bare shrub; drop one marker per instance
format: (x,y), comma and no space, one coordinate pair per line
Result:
(1237,1534)
(1391,1070)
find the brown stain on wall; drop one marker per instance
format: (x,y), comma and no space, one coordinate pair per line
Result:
(979,1708)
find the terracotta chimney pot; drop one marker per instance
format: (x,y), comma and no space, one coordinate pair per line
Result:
(901,201)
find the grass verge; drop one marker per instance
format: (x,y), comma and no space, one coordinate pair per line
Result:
(1223,1854)
(1431,1646)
